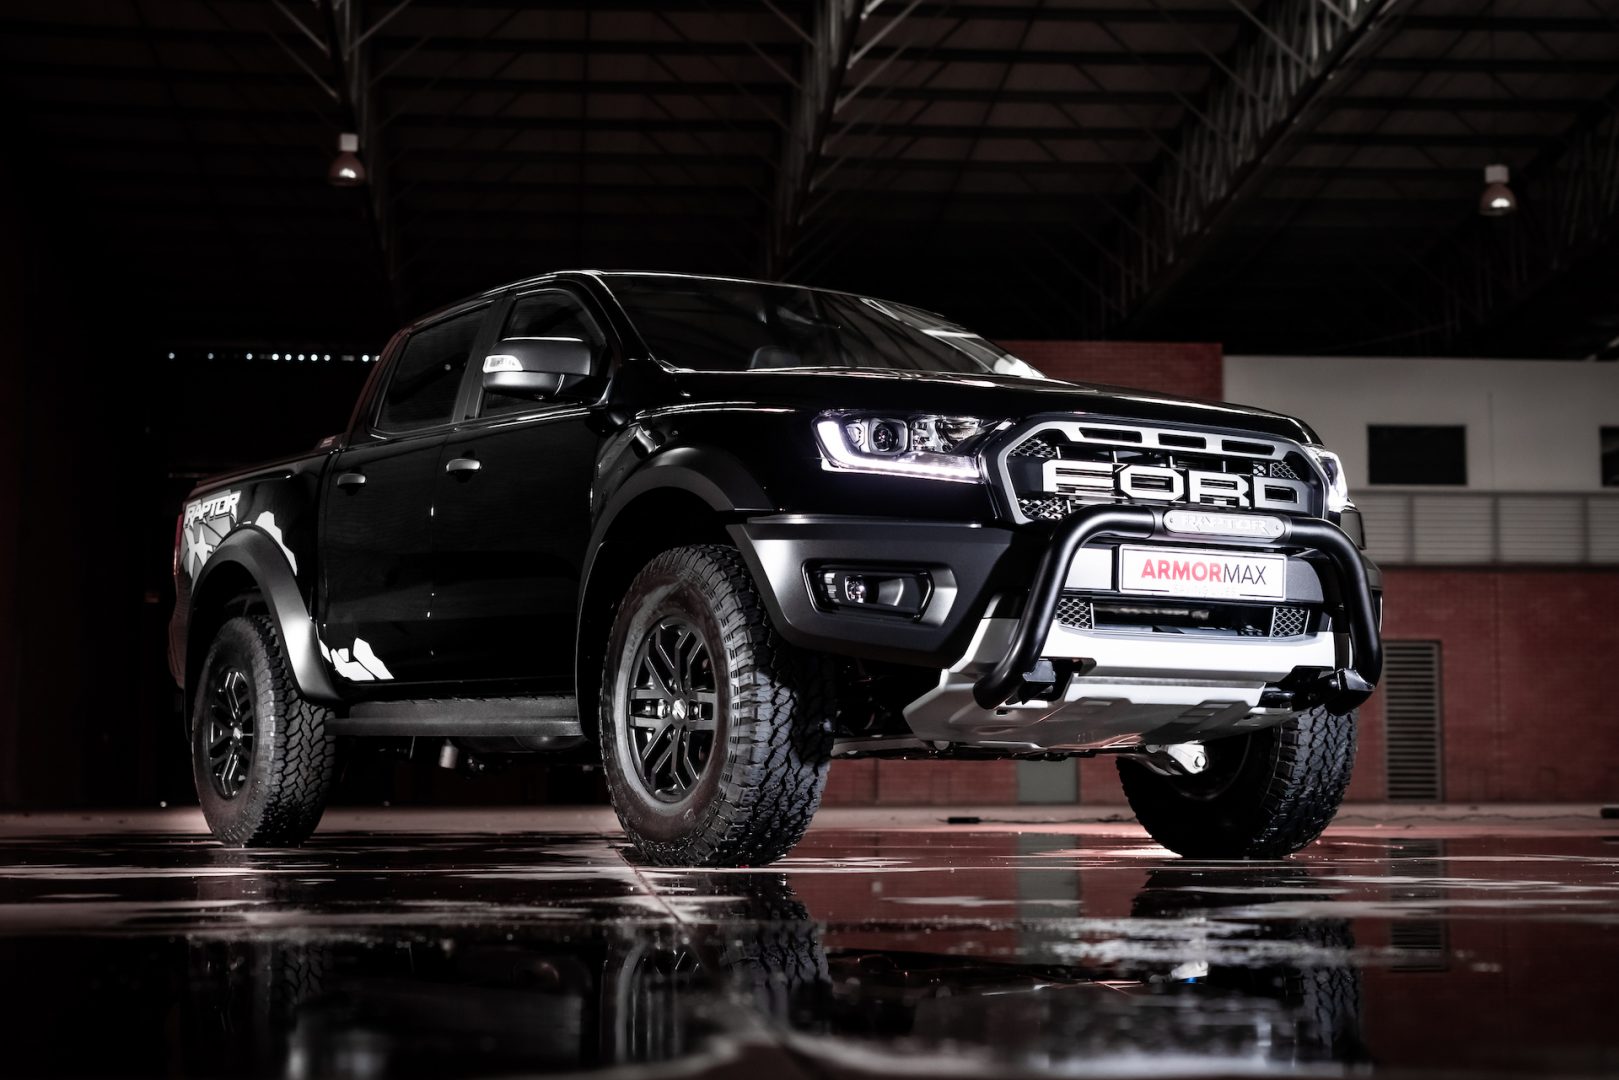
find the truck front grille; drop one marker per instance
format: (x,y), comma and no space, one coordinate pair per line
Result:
(1037,489)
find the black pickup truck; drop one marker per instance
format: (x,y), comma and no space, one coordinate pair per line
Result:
(729,530)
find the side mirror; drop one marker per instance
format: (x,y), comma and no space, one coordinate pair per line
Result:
(536,367)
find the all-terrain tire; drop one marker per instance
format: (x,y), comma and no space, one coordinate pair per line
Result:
(291,757)
(771,740)
(1264,795)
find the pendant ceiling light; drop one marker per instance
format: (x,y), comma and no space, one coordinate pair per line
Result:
(1497,199)
(347,169)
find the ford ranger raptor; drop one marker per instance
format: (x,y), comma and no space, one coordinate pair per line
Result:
(722,532)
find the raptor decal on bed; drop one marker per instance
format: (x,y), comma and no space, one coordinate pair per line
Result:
(207,522)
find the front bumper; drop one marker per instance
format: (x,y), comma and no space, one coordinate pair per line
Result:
(1340,689)
(990,624)
(967,564)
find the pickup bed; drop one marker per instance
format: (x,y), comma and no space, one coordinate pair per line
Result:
(722,532)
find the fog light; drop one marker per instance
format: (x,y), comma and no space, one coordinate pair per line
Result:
(893,592)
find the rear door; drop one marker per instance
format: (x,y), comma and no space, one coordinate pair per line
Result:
(377,540)
(513,516)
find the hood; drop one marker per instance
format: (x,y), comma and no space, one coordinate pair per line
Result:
(992,397)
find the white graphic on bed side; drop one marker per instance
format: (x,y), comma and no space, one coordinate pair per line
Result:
(266,521)
(359,664)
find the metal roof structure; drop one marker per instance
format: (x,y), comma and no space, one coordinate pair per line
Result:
(1279,175)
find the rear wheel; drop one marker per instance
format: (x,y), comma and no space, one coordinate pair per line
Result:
(716,735)
(1263,795)
(261,755)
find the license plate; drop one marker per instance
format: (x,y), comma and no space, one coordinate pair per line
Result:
(1205,574)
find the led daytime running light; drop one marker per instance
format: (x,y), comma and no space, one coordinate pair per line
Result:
(838,454)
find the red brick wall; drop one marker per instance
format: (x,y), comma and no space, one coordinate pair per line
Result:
(1190,370)
(1187,370)
(1528,715)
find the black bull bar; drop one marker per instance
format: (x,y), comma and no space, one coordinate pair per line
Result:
(1339,690)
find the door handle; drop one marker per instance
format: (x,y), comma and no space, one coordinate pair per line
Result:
(350,479)
(463,465)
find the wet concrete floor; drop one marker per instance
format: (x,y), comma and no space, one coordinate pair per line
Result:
(1034,949)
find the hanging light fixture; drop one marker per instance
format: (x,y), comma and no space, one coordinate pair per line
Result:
(347,169)
(1497,199)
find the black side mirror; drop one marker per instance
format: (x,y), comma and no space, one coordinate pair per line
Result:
(536,367)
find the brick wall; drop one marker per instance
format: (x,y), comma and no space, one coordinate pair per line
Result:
(1528,715)
(1187,370)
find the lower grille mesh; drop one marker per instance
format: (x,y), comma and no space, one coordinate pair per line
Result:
(1083,611)
(1075,611)
(1289,621)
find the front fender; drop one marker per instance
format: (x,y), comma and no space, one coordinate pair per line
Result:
(715,476)
(254,551)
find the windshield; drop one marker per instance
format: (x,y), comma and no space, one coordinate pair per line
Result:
(717,325)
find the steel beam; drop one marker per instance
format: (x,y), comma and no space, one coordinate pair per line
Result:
(825,65)
(348,53)
(1248,124)
(1568,209)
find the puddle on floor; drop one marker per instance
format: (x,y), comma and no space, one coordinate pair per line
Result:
(916,953)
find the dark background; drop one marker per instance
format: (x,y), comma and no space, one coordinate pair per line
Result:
(104,436)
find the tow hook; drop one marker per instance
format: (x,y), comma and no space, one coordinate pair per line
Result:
(1176,759)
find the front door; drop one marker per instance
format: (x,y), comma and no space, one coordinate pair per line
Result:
(513,520)
(377,542)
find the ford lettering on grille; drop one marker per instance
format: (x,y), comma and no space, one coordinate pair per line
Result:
(1165,484)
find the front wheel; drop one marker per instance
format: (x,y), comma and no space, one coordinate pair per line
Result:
(1263,795)
(261,755)
(716,734)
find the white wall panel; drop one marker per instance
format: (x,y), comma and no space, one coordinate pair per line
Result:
(1532,425)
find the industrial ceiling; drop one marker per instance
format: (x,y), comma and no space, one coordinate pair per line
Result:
(1277,175)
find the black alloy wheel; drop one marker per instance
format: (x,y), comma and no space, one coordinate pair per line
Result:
(230,731)
(715,733)
(673,708)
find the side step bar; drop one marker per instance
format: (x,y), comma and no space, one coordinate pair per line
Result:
(551,716)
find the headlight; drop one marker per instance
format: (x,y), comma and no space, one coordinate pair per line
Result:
(1337,484)
(931,447)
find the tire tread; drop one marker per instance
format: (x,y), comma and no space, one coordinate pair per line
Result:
(1278,811)
(780,741)
(302,753)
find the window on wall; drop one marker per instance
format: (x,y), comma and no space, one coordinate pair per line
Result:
(1610,457)
(1416,454)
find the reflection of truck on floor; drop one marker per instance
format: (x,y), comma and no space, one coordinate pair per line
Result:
(1262,994)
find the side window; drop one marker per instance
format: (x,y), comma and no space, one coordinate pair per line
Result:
(427,375)
(551,313)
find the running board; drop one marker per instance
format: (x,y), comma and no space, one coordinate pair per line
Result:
(552,716)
